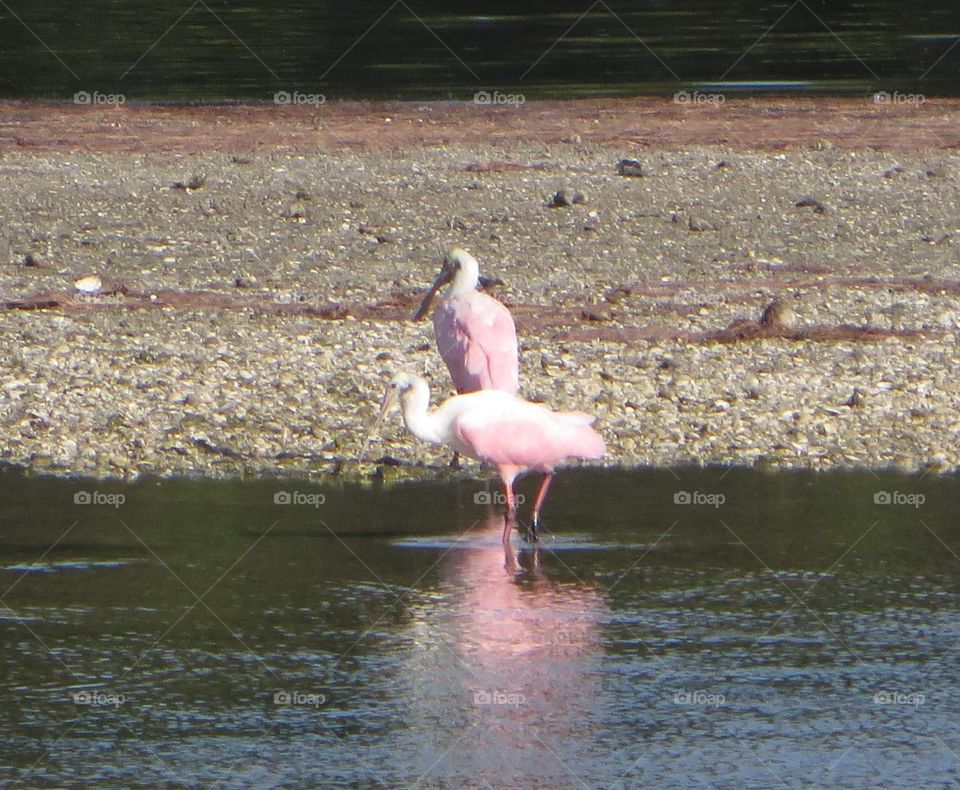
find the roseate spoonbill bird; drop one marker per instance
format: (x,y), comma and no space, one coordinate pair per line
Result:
(496,427)
(475,333)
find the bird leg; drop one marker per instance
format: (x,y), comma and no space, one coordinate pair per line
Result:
(510,517)
(538,503)
(455,461)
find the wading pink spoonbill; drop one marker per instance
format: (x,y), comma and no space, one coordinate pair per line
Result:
(475,333)
(499,428)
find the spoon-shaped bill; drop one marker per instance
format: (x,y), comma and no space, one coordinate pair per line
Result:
(390,398)
(447,272)
(425,304)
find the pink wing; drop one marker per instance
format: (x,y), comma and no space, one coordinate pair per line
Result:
(529,436)
(477,340)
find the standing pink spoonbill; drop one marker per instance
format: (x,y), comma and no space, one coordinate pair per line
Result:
(499,428)
(475,333)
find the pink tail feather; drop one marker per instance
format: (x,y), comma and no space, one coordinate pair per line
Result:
(584,442)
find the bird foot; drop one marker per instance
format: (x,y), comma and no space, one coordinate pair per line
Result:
(532,534)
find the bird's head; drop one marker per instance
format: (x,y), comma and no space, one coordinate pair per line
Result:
(460,268)
(401,388)
(398,389)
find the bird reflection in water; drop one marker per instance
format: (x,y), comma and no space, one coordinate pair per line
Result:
(505,672)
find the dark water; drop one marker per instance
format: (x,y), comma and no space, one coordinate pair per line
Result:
(795,634)
(226,50)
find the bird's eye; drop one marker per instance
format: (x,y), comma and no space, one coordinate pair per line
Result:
(393,385)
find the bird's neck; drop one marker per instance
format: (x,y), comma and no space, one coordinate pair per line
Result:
(466,279)
(416,416)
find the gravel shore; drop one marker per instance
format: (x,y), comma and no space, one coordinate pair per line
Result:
(247,325)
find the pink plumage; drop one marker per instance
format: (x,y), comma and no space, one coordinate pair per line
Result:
(475,334)
(528,435)
(477,340)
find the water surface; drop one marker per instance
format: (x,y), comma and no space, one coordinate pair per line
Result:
(796,631)
(219,50)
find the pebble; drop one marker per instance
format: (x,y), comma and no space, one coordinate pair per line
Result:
(560,199)
(699,225)
(808,201)
(630,168)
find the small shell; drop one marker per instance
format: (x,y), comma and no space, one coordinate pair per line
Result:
(90,284)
